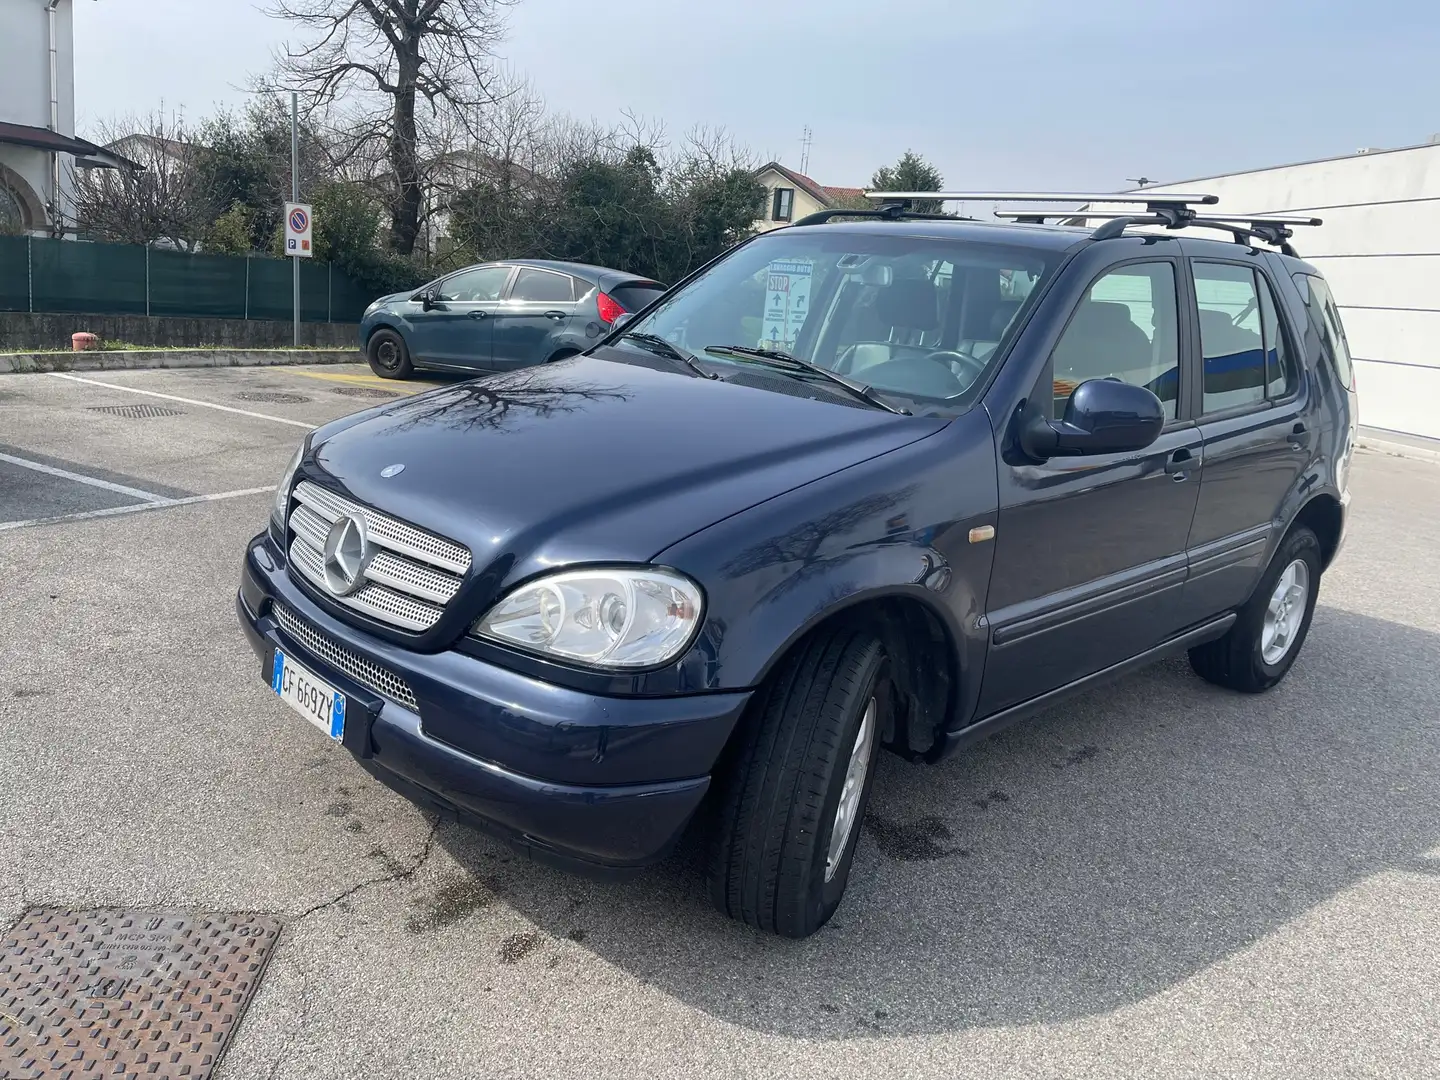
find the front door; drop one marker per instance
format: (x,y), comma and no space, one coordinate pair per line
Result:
(457,330)
(539,307)
(1251,412)
(1090,560)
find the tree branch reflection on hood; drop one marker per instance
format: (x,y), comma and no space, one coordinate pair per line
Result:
(501,403)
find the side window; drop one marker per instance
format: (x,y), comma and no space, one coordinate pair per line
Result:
(543,286)
(1124,328)
(1281,375)
(1233,338)
(477,283)
(1326,316)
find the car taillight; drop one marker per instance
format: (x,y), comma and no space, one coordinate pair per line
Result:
(610,310)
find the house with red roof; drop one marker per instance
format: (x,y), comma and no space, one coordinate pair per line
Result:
(790,195)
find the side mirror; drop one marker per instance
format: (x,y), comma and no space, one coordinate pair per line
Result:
(1103,416)
(427,300)
(621,319)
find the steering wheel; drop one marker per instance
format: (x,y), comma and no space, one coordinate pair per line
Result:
(966,367)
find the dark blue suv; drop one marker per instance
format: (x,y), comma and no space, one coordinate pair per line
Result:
(499,316)
(876,479)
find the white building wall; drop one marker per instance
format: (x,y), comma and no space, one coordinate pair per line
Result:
(1380,250)
(25,86)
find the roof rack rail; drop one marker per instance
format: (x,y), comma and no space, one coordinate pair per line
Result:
(1275,229)
(1159,198)
(898,211)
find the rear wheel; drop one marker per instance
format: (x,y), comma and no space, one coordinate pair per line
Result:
(388,356)
(791,804)
(1271,627)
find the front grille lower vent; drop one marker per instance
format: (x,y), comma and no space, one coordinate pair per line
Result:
(365,672)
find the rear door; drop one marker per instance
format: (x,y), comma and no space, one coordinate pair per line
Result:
(538,308)
(1252,409)
(457,331)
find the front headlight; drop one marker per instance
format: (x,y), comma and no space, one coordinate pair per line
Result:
(608,618)
(281,502)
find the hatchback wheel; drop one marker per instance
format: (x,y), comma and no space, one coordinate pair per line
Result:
(388,356)
(791,803)
(1266,638)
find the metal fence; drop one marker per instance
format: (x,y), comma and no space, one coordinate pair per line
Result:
(76,277)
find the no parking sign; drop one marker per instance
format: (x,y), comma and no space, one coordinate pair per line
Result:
(298,227)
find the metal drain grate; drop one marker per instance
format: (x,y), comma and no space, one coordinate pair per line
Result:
(272,397)
(136,412)
(364,391)
(122,994)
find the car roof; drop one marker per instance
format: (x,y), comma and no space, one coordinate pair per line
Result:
(1024,234)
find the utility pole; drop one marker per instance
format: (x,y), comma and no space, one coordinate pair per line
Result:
(295,196)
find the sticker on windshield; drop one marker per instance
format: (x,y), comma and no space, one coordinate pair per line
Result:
(787,299)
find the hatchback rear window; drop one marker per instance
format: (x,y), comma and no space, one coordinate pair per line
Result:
(635,295)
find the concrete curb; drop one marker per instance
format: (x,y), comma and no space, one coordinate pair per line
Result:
(28,363)
(1398,449)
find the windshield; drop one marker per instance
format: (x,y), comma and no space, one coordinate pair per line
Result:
(918,319)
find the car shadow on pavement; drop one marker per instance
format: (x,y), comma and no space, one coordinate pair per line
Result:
(1082,861)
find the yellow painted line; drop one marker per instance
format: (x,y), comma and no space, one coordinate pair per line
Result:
(409,386)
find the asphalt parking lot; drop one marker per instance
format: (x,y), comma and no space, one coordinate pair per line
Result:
(1158,879)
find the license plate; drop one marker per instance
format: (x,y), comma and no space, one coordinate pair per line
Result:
(310,696)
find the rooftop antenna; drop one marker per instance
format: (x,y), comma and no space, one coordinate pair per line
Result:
(805,142)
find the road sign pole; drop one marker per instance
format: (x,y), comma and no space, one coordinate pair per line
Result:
(295,196)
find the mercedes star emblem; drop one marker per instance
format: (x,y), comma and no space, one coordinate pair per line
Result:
(347,554)
(392,470)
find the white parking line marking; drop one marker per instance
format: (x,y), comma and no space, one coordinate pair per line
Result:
(163,504)
(184,400)
(134,493)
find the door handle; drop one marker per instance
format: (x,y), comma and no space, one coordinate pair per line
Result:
(475,313)
(1181,463)
(556,315)
(1295,433)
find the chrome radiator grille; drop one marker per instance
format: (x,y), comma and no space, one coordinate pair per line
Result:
(408,581)
(365,672)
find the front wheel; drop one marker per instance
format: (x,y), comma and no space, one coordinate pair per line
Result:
(388,356)
(791,803)
(1259,649)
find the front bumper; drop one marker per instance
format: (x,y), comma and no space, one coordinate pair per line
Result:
(565,776)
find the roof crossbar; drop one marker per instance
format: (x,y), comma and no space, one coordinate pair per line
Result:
(1275,229)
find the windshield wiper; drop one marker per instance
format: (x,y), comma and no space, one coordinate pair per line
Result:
(783,361)
(657,344)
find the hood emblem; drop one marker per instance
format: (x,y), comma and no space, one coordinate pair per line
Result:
(392,470)
(347,554)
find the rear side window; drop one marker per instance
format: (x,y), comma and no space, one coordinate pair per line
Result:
(1247,358)
(543,286)
(635,295)
(1326,317)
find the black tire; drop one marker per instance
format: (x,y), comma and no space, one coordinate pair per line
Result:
(1236,661)
(776,806)
(388,356)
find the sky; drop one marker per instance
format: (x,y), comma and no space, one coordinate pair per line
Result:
(1009,94)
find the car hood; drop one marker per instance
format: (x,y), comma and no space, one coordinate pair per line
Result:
(588,460)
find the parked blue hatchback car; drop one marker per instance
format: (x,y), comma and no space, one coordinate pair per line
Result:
(499,316)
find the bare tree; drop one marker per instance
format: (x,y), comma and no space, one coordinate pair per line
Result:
(158,202)
(380,64)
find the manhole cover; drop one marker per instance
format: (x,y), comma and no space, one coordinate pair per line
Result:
(364,391)
(273,397)
(123,994)
(136,412)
